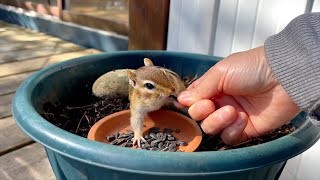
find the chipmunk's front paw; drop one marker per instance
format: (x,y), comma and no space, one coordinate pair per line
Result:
(137,140)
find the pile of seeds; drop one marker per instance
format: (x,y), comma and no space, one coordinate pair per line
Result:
(156,140)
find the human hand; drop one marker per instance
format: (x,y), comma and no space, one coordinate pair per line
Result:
(240,98)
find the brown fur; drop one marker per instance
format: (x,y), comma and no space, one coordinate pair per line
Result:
(143,100)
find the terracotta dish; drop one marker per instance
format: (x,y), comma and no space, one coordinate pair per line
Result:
(120,122)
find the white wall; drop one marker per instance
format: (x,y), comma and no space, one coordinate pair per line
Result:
(221,27)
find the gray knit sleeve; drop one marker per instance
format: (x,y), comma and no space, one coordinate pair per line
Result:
(294,56)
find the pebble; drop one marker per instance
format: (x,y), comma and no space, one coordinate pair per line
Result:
(113,83)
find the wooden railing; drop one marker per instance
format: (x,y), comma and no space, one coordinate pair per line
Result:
(146,26)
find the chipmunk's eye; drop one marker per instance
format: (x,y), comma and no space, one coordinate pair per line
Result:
(149,86)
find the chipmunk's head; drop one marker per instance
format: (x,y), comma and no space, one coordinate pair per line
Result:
(152,80)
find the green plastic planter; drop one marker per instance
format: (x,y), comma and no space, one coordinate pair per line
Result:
(74,157)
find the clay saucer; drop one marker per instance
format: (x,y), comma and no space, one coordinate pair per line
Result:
(120,122)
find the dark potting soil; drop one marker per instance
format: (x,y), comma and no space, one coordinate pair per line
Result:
(78,119)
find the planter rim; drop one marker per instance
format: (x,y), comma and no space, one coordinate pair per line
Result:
(164,163)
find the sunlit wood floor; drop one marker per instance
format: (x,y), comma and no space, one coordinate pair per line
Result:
(22,52)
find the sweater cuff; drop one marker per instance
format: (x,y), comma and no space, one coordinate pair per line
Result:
(294,57)
(314,114)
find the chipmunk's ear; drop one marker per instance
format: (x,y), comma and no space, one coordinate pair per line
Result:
(147,62)
(132,78)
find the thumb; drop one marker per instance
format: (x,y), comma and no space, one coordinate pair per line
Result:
(205,87)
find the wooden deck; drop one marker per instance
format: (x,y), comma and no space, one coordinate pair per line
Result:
(23,52)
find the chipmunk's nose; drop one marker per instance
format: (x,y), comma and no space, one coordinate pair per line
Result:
(174,97)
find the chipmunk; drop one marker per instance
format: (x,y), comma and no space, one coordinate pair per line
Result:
(150,87)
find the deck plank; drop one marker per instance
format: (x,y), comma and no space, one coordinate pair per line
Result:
(5,105)
(10,36)
(22,52)
(33,45)
(9,84)
(17,67)
(18,34)
(37,52)
(29,162)
(11,136)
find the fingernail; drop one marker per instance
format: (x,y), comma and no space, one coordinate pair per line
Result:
(240,119)
(239,122)
(187,98)
(184,95)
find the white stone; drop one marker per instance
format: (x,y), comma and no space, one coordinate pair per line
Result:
(113,83)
